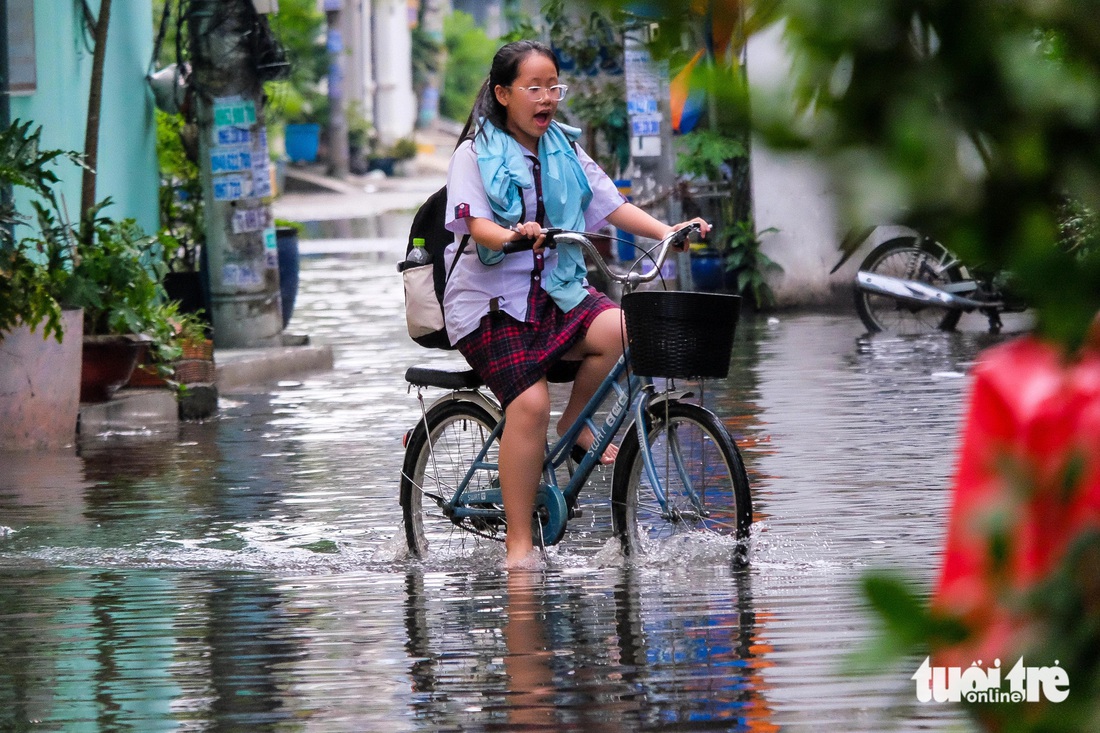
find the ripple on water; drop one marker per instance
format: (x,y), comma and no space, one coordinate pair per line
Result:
(250,573)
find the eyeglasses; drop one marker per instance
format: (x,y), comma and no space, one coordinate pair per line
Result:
(536,94)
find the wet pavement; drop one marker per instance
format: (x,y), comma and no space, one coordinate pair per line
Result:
(246,573)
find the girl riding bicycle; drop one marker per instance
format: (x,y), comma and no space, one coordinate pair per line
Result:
(515,171)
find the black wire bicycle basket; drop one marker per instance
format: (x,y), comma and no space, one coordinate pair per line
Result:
(681,335)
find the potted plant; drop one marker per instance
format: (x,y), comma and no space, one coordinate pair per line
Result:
(40,358)
(182,231)
(388,158)
(733,260)
(117,278)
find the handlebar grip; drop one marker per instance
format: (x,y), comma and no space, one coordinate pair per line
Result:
(681,235)
(518,245)
(522,245)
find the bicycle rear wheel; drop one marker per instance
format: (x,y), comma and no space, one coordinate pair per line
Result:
(701,474)
(437,458)
(909,258)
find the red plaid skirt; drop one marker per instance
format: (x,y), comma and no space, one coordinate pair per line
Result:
(511,355)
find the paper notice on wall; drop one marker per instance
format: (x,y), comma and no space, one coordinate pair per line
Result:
(251,220)
(230,159)
(645,125)
(271,249)
(234,112)
(645,147)
(242,274)
(645,85)
(232,136)
(261,166)
(232,187)
(643,82)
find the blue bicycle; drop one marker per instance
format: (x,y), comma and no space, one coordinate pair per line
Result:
(677,470)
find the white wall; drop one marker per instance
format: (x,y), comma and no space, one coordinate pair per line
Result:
(394,101)
(793,193)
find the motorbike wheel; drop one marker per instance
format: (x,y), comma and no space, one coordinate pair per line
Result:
(909,258)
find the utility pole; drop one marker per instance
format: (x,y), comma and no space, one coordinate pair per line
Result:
(241,251)
(337,94)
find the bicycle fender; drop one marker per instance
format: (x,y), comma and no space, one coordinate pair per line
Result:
(471,395)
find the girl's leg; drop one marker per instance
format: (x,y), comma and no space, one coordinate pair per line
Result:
(522,450)
(598,351)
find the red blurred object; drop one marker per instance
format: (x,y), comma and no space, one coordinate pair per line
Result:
(1033,414)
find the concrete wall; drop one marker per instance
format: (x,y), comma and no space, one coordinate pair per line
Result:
(793,193)
(127,170)
(395,108)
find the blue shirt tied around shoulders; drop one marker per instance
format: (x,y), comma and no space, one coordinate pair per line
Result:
(500,159)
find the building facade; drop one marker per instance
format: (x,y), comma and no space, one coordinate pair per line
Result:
(50,47)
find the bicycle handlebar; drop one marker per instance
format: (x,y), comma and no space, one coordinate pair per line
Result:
(630,279)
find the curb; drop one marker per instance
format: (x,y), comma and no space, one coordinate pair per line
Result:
(237,368)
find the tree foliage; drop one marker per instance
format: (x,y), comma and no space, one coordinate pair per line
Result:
(469,55)
(970,120)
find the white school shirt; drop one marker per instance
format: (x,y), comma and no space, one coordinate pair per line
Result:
(472,285)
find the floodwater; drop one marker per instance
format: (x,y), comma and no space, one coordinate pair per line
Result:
(245,574)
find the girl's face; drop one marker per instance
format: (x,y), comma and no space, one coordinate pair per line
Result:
(529,116)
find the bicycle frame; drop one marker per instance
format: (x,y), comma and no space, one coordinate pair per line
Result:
(631,391)
(632,398)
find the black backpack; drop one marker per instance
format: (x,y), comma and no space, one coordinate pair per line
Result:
(423,294)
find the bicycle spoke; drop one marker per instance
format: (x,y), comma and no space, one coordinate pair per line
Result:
(702,486)
(437,460)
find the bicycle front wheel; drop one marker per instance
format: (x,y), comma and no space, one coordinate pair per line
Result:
(701,475)
(437,457)
(909,258)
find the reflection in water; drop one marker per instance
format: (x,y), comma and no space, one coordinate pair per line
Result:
(610,652)
(245,573)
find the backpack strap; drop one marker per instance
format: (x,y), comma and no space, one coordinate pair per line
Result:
(461,247)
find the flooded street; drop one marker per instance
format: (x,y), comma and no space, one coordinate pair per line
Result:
(246,574)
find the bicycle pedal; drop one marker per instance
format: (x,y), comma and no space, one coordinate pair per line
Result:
(576,512)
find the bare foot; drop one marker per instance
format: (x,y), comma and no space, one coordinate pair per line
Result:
(531,560)
(585,442)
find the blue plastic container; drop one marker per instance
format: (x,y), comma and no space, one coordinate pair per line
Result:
(286,239)
(625,248)
(302,142)
(708,271)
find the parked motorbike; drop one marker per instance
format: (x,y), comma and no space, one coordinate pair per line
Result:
(912,284)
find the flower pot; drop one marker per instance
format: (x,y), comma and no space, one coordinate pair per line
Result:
(106,365)
(708,271)
(286,238)
(386,165)
(302,142)
(40,386)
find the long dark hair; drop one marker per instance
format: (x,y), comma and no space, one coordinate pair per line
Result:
(504,71)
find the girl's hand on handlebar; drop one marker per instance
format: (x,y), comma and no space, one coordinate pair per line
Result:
(530,230)
(702,226)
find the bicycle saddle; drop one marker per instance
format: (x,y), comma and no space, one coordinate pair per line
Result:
(445,376)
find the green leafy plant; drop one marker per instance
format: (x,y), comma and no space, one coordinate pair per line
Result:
(181,203)
(117,278)
(746,262)
(403,149)
(34,273)
(299,26)
(469,54)
(705,153)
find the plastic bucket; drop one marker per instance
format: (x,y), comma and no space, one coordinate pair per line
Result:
(302,142)
(624,249)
